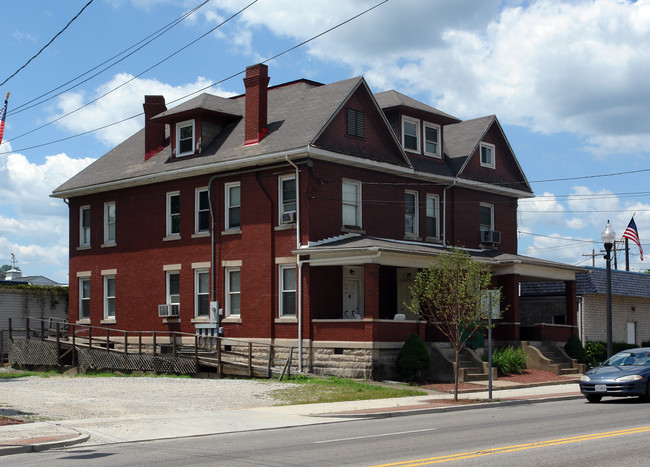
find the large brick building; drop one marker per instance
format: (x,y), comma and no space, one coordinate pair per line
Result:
(304,209)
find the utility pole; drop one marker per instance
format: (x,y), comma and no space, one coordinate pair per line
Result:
(593,257)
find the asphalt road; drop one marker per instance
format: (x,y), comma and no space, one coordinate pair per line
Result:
(568,433)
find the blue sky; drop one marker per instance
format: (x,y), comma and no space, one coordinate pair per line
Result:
(567,80)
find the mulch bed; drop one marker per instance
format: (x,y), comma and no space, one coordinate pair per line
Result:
(530,376)
(9,421)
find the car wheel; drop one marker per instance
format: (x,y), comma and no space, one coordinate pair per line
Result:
(593,398)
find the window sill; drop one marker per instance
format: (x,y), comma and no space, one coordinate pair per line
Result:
(201,320)
(433,240)
(231,319)
(201,235)
(109,245)
(170,238)
(231,232)
(431,154)
(108,321)
(83,321)
(286,320)
(171,320)
(352,229)
(285,227)
(412,238)
(83,247)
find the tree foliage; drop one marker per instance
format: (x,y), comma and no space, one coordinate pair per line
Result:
(450,295)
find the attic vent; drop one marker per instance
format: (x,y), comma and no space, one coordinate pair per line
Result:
(356,123)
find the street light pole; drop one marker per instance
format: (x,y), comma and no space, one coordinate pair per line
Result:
(609,236)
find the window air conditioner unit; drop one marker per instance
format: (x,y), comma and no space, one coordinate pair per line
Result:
(491,237)
(288,217)
(166,311)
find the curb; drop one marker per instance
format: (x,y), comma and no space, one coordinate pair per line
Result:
(26,446)
(397,412)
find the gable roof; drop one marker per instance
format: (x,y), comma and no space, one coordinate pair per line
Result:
(390,99)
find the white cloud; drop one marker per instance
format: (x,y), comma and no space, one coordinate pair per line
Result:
(549,65)
(125,101)
(540,210)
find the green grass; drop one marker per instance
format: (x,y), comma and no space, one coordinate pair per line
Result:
(42,374)
(314,390)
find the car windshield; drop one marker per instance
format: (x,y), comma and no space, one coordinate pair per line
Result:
(627,358)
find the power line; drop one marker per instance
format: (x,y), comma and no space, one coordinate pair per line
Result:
(146,41)
(46,45)
(187,95)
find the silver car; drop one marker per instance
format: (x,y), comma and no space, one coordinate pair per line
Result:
(623,374)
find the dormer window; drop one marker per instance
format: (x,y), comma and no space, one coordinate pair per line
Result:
(411,134)
(431,139)
(487,155)
(185,138)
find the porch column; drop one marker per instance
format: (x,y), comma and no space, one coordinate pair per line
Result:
(570,295)
(507,328)
(371,290)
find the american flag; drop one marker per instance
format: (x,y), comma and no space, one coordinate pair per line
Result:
(633,234)
(3,115)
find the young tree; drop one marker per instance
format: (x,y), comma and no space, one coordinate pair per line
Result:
(449,294)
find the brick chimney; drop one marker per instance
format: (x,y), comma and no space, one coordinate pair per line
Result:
(154,131)
(256,82)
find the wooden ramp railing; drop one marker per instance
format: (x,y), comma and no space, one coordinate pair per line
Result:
(43,342)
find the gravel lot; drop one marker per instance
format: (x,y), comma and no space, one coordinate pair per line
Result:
(66,398)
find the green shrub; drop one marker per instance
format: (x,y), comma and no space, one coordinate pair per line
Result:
(645,344)
(574,349)
(596,352)
(413,357)
(509,360)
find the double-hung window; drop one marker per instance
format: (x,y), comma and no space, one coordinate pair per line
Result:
(287,201)
(173,214)
(411,134)
(486,216)
(109,297)
(84,226)
(109,222)
(185,138)
(432,216)
(202,292)
(287,293)
(431,139)
(233,206)
(233,292)
(173,288)
(411,212)
(351,202)
(84,298)
(487,155)
(202,215)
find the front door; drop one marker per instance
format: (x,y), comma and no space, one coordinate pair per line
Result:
(352,292)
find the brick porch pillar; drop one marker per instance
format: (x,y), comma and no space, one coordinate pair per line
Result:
(371,290)
(507,328)
(570,295)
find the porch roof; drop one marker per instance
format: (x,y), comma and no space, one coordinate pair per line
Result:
(354,249)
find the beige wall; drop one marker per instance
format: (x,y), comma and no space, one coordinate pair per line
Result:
(593,318)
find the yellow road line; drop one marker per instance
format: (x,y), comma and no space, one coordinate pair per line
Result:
(517,447)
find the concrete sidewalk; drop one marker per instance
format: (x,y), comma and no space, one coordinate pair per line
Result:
(33,437)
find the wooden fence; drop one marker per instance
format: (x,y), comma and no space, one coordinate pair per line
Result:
(48,342)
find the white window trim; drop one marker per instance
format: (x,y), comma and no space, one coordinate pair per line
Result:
(168,214)
(480,155)
(108,241)
(282,289)
(424,139)
(168,298)
(357,204)
(197,272)
(82,298)
(106,298)
(417,134)
(197,205)
(416,215)
(491,207)
(281,180)
(229,293)
(82,242)
(227,187)
(436,208)
(180,125)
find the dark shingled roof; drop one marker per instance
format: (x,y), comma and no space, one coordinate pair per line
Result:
(390,99)
(593,281)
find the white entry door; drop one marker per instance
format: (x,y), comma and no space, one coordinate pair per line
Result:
(351,299)
(631,332)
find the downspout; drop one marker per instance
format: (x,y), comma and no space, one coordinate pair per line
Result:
(298,262)
(212,251)
(444,212)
